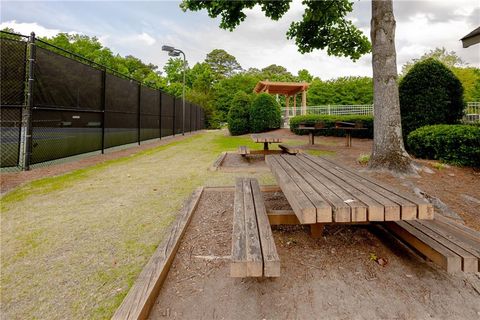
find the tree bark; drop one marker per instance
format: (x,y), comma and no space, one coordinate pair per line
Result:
(388,149)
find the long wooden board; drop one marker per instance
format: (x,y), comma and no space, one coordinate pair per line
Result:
(299,202)
(141,297)
(238,265)
(271,261)
(253,248)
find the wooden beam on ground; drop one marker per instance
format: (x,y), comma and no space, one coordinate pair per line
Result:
(218,162)
(141,297)
(271,261)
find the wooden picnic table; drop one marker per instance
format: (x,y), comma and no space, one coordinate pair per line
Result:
(321,191)
(265,139)
(347,127)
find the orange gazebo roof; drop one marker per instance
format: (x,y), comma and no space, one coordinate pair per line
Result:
(285,88)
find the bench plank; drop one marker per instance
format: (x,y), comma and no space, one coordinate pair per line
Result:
(238,265)
(253,249)
(469,261)
(243,150)
(299,202)
(442,256)
(289,149)
(271,261)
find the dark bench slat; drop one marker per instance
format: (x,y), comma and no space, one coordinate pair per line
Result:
(254,251)
(238,266)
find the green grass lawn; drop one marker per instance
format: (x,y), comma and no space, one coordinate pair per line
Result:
(72,245)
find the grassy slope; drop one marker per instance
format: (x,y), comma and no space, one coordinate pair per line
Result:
(72,245)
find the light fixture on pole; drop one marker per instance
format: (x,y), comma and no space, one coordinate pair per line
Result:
(174,52)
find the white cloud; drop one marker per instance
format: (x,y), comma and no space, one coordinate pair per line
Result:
(148,39)
(26,28)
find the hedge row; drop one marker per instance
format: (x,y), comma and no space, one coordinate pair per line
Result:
(329,121)
(455,144)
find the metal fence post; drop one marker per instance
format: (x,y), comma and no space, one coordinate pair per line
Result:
(174,112)
(27,112)
(138,112)
(104,95)
(160,114)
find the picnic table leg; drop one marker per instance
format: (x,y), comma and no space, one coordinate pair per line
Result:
(265,146)
(349,139)
(311,139)
(316,230)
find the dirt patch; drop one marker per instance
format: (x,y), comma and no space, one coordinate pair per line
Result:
(331,277)
(234,160)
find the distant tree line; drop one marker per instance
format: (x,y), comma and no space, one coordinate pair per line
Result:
(214,82)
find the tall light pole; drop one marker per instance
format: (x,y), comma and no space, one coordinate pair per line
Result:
(174,52)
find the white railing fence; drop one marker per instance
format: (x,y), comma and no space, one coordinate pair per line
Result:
(472,110)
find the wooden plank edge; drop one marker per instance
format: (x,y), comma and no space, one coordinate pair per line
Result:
(142,295)
(264,188)
(218,162)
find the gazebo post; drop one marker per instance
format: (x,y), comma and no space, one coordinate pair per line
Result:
(287,104)
(304,101)
(294,104)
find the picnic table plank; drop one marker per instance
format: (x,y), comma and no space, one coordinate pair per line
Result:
(253,249)
(271,261)
(323,209)
(239,253)
(390,209)
(340,211)
(375,209)
(408,208)
(299,202)
(425,209)
(357,209)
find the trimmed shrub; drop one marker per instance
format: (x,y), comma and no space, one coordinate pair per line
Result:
(456,144)
(430,94)
(239,113)
(265,113)
(329,120)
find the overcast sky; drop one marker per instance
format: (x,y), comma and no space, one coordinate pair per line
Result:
(141,28)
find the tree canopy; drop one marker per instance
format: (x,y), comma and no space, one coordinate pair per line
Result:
(222,64)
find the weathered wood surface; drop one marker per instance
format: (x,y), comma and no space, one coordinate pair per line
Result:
(243,150)
(218,162)
(441,243)
(271,261)
(289,149)
(262,138)
(254,253)
(141,297)
(338,194)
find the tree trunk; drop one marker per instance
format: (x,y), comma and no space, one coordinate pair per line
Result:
(388,148)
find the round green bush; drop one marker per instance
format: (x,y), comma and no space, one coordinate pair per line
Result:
(239,113)
(430,94)
(265,113)
(456,144)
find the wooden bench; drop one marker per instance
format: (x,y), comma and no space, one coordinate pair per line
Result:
(450,245)
(254,253)
(289,149)
(243,150)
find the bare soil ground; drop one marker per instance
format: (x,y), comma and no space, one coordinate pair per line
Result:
(331,278)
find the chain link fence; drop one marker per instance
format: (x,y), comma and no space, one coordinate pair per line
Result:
(77,106)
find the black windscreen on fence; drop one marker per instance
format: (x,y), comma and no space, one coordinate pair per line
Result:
(12,95)
(60,134)
(12,74)
(61,82)
(149,114)
(121,111)
(178,115)
(167,114)
(78,106)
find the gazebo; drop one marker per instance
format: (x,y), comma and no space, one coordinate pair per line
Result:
(288,89)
